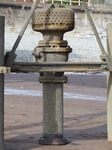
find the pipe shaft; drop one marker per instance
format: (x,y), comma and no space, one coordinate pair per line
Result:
(53,110)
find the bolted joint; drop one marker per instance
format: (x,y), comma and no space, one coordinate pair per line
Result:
(107,58)
(37,53)
(52,51)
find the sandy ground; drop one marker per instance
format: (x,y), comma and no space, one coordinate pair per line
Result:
(85,122)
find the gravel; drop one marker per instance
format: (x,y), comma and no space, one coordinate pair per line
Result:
(84,45)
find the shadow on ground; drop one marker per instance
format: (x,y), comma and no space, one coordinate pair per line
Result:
(28,140)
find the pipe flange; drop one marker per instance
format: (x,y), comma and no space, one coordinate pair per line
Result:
(39,50)
(52,79)
(57,42)
(55,141)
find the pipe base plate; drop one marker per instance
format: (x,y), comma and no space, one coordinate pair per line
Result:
(54,141)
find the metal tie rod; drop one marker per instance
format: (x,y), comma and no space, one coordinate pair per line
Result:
(10,56)
(59,67)
(93,27)
(105,55)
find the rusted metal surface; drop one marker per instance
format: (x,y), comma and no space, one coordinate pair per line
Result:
(59,67)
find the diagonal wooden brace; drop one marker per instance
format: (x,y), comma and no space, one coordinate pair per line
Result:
(11,56)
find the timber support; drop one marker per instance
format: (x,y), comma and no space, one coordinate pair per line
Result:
(2,21)
(109,85)
(3,70)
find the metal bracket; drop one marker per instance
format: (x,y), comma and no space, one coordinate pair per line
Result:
(59,67)
(107,58)
(5,70)
(9,58)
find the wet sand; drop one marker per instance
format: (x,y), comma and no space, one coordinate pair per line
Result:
(85,121)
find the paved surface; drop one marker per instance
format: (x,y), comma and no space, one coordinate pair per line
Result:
(85,122)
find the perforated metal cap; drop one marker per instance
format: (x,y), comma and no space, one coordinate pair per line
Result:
(53,19)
